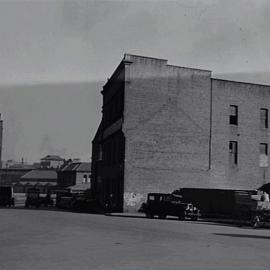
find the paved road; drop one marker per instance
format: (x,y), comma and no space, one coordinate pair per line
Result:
(41,239)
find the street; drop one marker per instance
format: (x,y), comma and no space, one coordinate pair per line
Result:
(44,239)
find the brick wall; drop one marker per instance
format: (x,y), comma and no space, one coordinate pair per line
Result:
(249,98)
(166,126)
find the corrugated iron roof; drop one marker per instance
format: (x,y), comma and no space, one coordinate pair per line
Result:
(40,174)
(78,167)
(80,187)
(84,167)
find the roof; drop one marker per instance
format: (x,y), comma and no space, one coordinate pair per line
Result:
(52,157)
(40,175)
(78,167)
(22,166)
(38,183)
(240,82)
(79,187)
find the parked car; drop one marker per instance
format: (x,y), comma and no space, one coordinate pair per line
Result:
(34,198)
(163,205)
(64,200)
(78,202)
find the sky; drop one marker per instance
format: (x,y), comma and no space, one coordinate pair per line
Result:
(56,55)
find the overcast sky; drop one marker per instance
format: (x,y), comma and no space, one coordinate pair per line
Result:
(56,55)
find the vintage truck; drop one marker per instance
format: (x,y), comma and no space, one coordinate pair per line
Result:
(239,206)
(6,198)
(164,204)
(78,202)
(252,208)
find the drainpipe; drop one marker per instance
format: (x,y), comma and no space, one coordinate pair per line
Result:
(210,129)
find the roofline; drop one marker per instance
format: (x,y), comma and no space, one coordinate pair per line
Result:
(124,60)
(128,61)
(200,69)
(163,60)
(126,56)
(233,81)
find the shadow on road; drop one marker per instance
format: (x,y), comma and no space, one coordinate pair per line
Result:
(53,209)
(200,221)
(244,235)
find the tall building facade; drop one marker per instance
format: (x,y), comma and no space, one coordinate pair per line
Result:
(167,127)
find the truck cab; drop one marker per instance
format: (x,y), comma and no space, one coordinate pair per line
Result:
(32,197)
(163,205)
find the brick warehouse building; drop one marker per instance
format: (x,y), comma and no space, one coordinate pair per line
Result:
(166,127)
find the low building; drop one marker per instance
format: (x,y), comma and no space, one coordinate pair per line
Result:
(44,180)
(13,174)
(75,176)
(51,161)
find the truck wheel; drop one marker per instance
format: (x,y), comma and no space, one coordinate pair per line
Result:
(182,217)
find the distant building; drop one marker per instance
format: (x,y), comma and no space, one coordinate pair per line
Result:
(165,127)
(51,161)
(75,176)
(41,179)
(12,175)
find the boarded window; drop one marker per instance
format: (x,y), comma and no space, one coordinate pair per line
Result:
(100,152)
(263,149)
(233,115)
(263,155)
(264,118)
(233,150)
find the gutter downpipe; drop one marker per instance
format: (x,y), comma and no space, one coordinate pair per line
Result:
(210,130)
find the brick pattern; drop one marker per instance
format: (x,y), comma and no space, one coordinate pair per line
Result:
(249,98)
(166,126)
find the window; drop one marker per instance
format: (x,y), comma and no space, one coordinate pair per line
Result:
(85,178)
(263,155)
(264,118)
(233,115)
(263,149)
(100,153)
(233,150)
